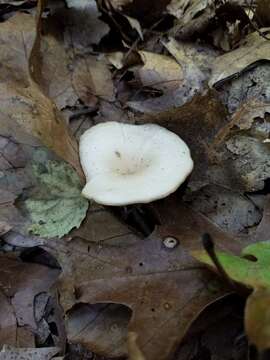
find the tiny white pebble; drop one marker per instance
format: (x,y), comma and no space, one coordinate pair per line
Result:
(170,242)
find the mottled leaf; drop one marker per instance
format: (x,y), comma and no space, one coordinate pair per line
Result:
(57,206)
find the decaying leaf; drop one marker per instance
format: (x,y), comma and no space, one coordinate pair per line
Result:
(144,275)
(92,80)
(230,210)
(83,26)
(57,206)
(243,119)
(160,72)
(24,107)
(56,74)
(46,353)
(253,48)
(14,177)
(205,109)
(252,270)
(109,333)
(134,351)
(8,330)
(20,283)
(192,15)
(179,79)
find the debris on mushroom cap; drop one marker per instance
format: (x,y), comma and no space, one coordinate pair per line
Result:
(127,164)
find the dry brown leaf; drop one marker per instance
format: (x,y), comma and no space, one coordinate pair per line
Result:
(192,15)
(14,177)
(263,12)
(143,275)
(134,353)
(92,80)
(20,283)
(118,4)
(30,280)
(186,10)
(179,79)
(8,329)
(109,333)
(83,28)
(243,119)
(56,74)
(24,108)
(46,353)
(159,71)
(242,146)
(206,110)
(252,49)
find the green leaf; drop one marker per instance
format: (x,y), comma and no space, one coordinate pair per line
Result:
(56,206)
(252,269)
(252,273)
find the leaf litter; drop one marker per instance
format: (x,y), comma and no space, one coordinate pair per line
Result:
(123,293)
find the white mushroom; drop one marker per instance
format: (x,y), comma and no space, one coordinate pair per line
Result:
(127,164)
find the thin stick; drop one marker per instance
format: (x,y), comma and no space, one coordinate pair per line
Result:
(209,247)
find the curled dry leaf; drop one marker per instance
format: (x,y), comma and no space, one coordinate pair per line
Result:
(179,79)
(92,79)
(23,104)
(186,10)
(144,275)
(8,330)
(252,49)
(192,15)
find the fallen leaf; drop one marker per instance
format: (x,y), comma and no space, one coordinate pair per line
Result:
(56,74)
(8,330)
(134,23)
(243,119)
(134,351)
(262,12)
(192,15)
(118,4)
(24,108)
(179,80)
(83,26)
(230,210)
(205,109)
(109,333)
(57,205)
(252,270)
(92,80)
(186,10)
(144,275)
(252,49)
(47,353)
(159,71)
(20,283)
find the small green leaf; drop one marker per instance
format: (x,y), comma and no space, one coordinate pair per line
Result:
(252,270)
(254,273)
(56,206)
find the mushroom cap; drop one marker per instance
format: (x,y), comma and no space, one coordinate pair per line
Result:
(130,164)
